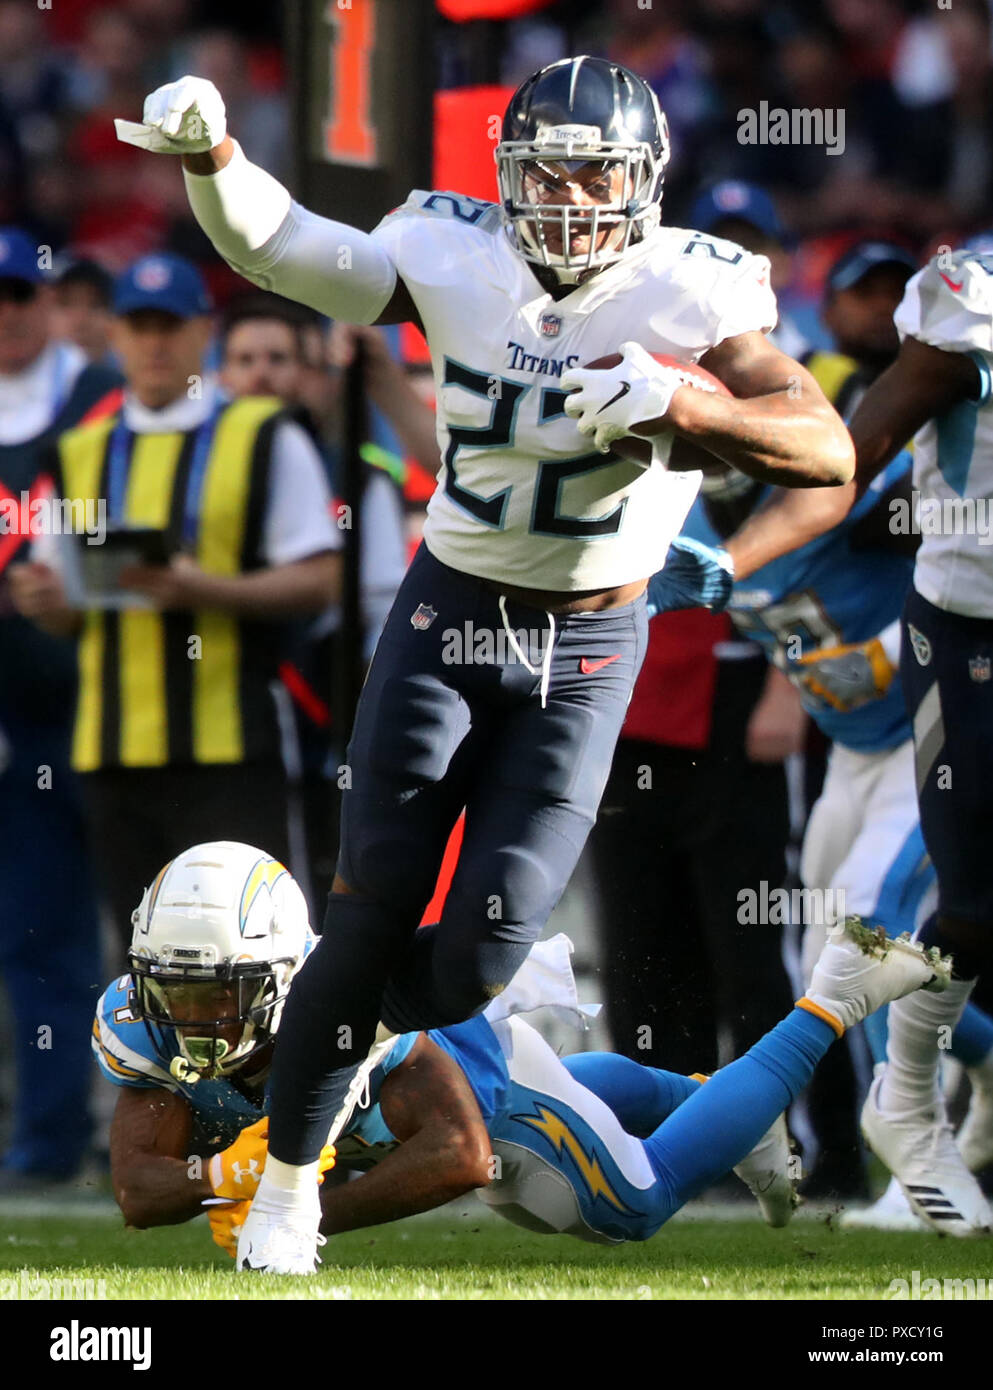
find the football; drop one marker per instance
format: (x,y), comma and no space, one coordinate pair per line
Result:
(684,457)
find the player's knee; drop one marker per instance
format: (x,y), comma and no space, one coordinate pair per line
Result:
(392,870)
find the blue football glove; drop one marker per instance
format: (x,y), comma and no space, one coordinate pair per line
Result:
(694,576)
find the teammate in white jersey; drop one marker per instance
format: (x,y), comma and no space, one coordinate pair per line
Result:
(537,548)
(940,392)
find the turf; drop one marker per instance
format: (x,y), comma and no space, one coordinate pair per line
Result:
(465,1253)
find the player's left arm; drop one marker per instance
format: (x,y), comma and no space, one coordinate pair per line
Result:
(444,1149)
(778,428)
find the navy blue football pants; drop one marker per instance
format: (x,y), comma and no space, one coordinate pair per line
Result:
(451,716)
(946,665)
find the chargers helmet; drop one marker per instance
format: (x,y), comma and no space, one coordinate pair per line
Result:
(574,113)
(220,918)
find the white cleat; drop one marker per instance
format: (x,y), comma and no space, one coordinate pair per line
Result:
(975,1138)
(919,1149)
(279,1244)
(891,1212)
(767,1172)
(861,969)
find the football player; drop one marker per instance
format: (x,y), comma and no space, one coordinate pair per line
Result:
(588,1146)
(828,614)
(188,1032)
(940,392)
(537,546)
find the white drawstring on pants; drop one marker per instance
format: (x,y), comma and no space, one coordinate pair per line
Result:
(546,659)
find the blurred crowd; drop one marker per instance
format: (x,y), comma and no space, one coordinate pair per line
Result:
(915,171)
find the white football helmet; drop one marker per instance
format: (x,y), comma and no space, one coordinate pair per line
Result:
(223,925)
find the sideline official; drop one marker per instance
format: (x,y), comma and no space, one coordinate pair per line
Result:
(175,732)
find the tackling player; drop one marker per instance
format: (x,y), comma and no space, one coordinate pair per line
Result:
(594,1146)
(940,391)
(537,546)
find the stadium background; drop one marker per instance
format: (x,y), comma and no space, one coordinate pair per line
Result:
(913,80)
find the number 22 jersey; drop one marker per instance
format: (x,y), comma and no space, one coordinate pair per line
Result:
(522,497)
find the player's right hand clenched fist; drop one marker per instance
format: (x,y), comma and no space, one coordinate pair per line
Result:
(184,117)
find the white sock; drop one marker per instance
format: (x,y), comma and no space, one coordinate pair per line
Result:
(917,1036)
(286,1188)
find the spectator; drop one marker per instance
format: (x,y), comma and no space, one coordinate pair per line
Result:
(176,734)
(82,308)
(49,939)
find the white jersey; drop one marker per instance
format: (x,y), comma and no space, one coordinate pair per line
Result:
(521,497)
(949,305)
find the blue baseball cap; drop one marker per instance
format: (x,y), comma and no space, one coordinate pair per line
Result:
(164,282)
(746,202)
(864,256)
(19,256)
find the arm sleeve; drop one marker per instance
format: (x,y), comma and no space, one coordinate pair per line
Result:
(278,245)
(745,302)
(950,306)
(298,520)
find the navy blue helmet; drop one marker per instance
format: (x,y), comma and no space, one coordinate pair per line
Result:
(580,165)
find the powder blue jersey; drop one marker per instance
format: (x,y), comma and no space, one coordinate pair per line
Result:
(565,1166)
(828,593)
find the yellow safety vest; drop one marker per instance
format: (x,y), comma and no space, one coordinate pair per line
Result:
(158,688)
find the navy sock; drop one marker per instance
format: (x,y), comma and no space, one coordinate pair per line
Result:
(329,1022)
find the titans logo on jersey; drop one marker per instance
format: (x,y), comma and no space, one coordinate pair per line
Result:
(523,499)
(827,594)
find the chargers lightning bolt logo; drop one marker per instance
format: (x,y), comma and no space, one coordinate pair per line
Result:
(562,1140)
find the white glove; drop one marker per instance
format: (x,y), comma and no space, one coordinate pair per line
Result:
(184,117)
(607,403)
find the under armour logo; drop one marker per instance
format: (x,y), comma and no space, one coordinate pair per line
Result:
(252,1171)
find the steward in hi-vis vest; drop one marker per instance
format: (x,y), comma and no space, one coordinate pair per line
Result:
(227,535)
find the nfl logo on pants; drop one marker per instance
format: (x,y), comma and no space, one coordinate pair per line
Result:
(423,616)
(979,668)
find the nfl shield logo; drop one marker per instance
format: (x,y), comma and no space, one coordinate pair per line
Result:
(549,325)
(979,668)
(920,644)
(423,617)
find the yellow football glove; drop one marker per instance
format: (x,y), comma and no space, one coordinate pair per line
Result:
(844,677)
(236,1170)
(225,1223)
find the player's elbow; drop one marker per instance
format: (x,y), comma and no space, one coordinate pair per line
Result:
(136,1211)
(833,462)
(467,1159)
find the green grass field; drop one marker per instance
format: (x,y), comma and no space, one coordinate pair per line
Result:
(465,1253)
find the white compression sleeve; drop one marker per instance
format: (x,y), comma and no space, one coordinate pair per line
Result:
(277,244)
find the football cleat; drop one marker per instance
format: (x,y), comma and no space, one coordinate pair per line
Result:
(919,1150)
(767,1172)
(284,1244)
(860,969)
(891,1212)
(975,1138)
